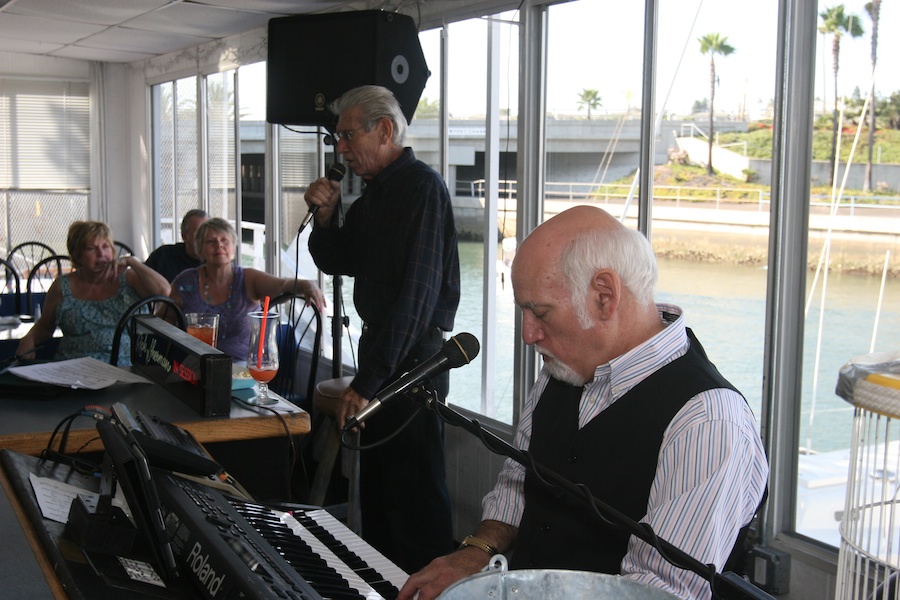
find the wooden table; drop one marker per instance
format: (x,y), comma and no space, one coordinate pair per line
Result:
(25,570)
(26,424)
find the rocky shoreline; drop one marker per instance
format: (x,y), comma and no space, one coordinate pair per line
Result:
(857,256)
(738,238)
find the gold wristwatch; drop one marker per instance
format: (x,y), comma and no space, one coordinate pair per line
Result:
(479,543)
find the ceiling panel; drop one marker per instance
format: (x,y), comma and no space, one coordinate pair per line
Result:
(102,55)
(130,30)
(136,40)
(27,46)
(193,19)
(101,12)
(293,7)
(42,29)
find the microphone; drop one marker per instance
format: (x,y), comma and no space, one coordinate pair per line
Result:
(335,173)
(456,352)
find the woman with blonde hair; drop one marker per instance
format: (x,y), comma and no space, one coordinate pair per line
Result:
(87,303)
(221,286)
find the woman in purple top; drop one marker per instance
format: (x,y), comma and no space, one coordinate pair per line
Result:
(229,290)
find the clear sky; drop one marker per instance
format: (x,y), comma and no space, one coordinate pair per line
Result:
(596,44)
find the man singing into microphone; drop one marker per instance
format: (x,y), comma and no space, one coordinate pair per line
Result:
(399,243)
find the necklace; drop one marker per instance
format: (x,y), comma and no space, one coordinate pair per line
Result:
(206,288)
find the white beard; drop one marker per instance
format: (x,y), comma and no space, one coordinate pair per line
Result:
(560,370)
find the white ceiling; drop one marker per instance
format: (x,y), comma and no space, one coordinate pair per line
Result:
(130,30)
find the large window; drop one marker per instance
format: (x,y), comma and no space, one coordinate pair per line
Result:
(194,151)
(482,128)
(44,160)
(716,189)
(710,209)
(852,303)
(176,154)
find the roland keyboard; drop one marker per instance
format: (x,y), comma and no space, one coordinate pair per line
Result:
(301,534)
(232,548)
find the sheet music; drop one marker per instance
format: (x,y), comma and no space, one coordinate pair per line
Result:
(55,497)
(86,373)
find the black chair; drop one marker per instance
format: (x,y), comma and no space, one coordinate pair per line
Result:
(42,276)
(122,249)
(148,305)
(11,286)
(27,255)
(301,328)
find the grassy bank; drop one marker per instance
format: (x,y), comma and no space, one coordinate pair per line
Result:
(847,255)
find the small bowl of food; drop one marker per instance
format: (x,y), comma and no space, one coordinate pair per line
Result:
(240,378)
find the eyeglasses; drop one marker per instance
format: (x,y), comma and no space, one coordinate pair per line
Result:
(346,134)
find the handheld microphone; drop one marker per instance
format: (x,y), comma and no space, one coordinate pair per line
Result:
(335,173)
(456,352)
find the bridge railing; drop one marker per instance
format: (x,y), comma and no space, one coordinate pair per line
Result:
(717,197)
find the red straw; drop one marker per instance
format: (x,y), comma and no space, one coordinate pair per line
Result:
(262,333)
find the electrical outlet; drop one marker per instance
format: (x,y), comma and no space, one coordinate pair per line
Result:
(769,569)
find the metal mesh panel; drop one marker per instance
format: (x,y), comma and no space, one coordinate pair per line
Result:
(220,135)
(176,155)
(187,146)
(164,163)
(42,216)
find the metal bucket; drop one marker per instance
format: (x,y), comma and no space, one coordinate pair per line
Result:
(550,584)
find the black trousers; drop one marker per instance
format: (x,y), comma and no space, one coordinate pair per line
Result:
(404,500)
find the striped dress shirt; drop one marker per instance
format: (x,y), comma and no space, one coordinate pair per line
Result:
(711,474)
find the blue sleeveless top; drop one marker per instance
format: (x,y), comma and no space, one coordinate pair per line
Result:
(88,325)
(234,326)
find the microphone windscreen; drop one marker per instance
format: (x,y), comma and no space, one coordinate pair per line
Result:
(461,349)
(337,172)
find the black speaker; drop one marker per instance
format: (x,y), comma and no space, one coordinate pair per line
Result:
(314,59)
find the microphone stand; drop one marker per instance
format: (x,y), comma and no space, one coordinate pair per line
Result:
(337,319)
(727,586)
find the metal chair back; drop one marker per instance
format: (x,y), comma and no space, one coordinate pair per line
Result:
(148,305)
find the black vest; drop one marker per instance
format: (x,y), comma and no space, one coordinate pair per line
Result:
(614,455)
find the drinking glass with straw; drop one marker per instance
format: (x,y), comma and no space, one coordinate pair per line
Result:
(262,357)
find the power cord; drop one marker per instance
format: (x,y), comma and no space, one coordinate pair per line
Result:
(292,450)
(81,465)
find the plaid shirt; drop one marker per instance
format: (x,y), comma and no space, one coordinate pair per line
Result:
(399,243)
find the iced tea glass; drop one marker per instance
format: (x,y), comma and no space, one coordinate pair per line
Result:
(203,326)
(262,355)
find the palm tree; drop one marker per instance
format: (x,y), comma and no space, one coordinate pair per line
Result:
(589,99)
(874,10)
(427,109)
(836,23)
(712,44)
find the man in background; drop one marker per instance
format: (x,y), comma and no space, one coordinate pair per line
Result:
(627,404)
(399,243)
(171,259)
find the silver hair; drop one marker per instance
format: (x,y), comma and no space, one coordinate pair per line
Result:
(625,251)
(375,102)
(220,226)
